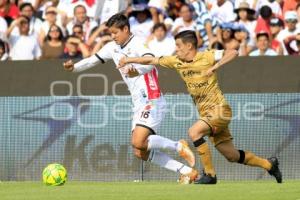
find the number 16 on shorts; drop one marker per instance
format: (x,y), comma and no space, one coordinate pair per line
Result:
(145,114)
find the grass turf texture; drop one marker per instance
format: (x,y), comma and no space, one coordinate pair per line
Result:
(224,190)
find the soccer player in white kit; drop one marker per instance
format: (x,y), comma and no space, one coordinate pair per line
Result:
(148,102)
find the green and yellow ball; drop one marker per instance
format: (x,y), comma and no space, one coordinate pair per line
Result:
(54,174)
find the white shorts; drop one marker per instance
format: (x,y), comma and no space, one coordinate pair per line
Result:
(150,115)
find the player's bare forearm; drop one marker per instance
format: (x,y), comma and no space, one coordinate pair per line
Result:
(147,60)
(228,56)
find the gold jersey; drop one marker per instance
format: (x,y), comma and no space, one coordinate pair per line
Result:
(204,90)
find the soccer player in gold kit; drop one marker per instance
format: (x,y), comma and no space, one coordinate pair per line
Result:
(197,69)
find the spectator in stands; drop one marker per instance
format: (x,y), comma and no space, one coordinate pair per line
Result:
(276,25)
(98,38)
(273,4)
(226,37)
(26,9)
(78,32)
(205,24)
(263,46)
(140,21)
(107,8)
(289,5)
(52,16)
(173,8)
(246,43)
(291,19)
(80,17)
(251,3)
(298,14)
(157,9)
(35,3)
(23,46)
(90,6)
(263,21)
(160,42)
(3,28)
(222,10)
(185,21)
(3,51)
(245,17)
(288,41)
(75,49)
(9,11)
(53,46)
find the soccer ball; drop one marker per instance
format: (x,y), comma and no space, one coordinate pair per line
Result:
(54,174)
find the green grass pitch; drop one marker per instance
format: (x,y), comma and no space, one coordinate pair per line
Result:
(224,190)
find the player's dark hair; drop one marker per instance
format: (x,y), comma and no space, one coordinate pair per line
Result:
(118,20)
(188,37)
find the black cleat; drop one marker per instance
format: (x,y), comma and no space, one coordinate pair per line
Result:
(275,171)
(206,179)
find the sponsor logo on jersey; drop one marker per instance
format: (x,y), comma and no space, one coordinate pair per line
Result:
(189,73)
(197,85)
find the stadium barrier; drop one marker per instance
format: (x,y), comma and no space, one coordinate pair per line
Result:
(83,120)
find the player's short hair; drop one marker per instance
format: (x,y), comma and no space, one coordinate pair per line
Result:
(118,20)
(188,37)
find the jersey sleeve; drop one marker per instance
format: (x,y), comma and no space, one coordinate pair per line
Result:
(142,51)
(104,53)
(213,55)
(101,56)
(167,61)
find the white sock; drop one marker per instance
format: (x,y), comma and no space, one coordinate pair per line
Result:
(167,162)
(159,142)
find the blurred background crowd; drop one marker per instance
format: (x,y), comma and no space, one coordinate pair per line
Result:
(51,29)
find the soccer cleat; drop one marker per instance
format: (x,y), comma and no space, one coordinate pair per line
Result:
(275,171)
(186,153)
(206,179)
(188,178)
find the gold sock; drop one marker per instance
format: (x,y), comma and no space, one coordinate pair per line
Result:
(253,160)
(206,159)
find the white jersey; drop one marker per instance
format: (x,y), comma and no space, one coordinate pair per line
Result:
(143,88)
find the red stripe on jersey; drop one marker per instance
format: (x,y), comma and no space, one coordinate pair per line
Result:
(151,80)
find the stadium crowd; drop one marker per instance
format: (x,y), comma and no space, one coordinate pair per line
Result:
(51,29)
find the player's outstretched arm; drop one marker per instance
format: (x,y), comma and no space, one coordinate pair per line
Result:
(227,57)
(146,60)
(82,65)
